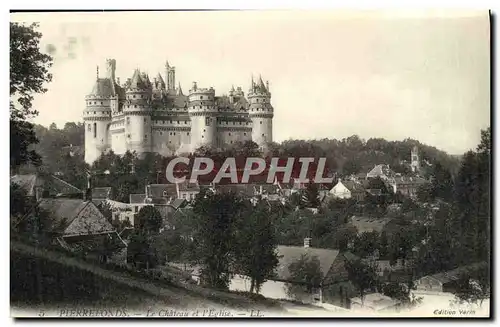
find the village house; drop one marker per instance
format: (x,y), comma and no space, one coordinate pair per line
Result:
(407,186)
(446,282)
(101,194)
(348,189)
(40,185)
(187,190)
(137,202)
(382,171)
(78,226)
(334,288)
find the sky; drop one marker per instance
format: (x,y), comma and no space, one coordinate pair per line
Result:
(423,75)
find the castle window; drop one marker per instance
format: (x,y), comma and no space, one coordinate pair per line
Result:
(207,121)
(262,134)
(161,133)
(134,96)
(185,122)
(163,122)
(245,134)
(170,133)
(146,136)
(101,102)
(204,131)
(135,106)
(94,112)
(128,120)
(202,137)
(170,122)
(174,133)
(187,133)
(89,127)
(169,141)
(229,134)
(95,130)
(231,142)
(177,122)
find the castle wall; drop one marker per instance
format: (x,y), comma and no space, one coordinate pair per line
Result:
(97,119)
(262,130)
(131,121)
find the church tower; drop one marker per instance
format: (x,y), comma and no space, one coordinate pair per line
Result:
(261,112)
(415,160)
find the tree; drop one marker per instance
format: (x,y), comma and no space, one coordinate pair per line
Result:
(363,276)
(425,193)
(305,276)
(311,196)
(149,219)
(344,236)
(401,292)
(28,73)
(255,251)
(474,287)
(366,244)
(351,167)
(216,215)
(140,252)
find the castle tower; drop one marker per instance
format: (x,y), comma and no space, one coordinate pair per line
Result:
(415,160)
(170,73)
(138,112)
(97,119)
(203,116)
(261,113)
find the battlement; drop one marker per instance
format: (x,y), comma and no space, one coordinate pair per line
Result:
(150,114)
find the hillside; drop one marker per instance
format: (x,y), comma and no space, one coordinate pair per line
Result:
(62,152)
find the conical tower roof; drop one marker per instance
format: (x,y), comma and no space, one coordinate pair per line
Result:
(161,81)
(179,90)
(137,81)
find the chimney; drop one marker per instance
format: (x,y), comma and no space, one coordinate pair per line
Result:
(307,242)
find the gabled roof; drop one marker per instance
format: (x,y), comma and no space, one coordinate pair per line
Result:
(155,191)
(55,186)
(455,274)
(408,180)
(354,187)
(178,203)
(137,198)
(289,254)
(186,186)
(101,193)
(239,189)
(63,211)
(380,171)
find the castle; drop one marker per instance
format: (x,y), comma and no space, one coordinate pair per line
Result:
(153,116)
